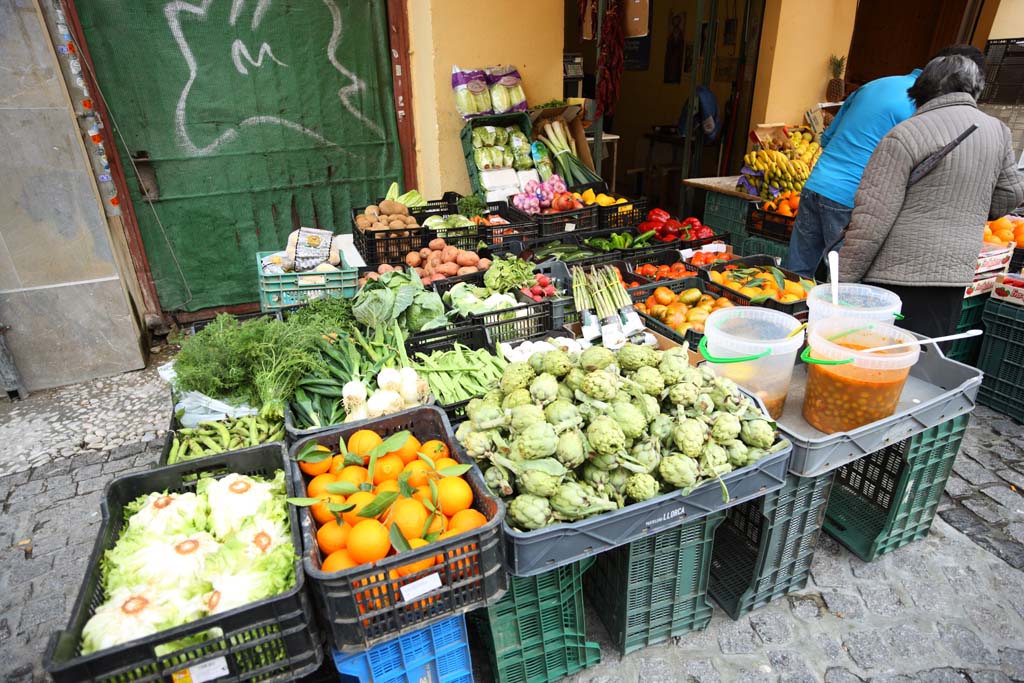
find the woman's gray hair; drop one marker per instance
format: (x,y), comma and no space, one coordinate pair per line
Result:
(944,75)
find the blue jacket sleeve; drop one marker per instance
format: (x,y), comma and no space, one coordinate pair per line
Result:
(826,137)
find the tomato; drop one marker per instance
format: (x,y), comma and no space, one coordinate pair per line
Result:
(657,311)
(664,296)
(674,320)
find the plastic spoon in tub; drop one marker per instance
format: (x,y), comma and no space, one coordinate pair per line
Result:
(926,340)
(833,275)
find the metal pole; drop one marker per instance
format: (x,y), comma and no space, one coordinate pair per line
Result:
(597,128)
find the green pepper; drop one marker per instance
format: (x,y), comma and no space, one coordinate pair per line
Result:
(643,239)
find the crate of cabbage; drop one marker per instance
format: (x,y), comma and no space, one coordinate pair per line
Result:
(598,451)
(184,577)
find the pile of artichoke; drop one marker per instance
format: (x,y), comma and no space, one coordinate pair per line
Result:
(567,436)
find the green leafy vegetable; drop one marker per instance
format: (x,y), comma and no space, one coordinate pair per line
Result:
(508,274)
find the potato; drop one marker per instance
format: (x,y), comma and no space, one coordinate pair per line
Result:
(363,221)
(372,275)
(428,269)
(434,259)
(436,244)
(385,268)
(410,221)
(466,270)
(424,253)
(419,271)
(467,258)
(389,207)
(413,259)
(448,269)
(396,224)
(483,264)
(372,211)
(438,276)
(379,226)
(449,254)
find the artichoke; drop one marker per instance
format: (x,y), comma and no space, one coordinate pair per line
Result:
(562,415)
(595,476)
(530,512)
(651,408)
(572,449)
(605,436)
(574,380)
(600,384)
(519,397)
(679,470)
(557,363)
(647,454)
(703,405)
(662,426)
(544,387)
(630,418)
(689,436)
(633,357)
(525,415)
(516,376)
(564,391)
(617,479)
(724,426)
(673,367)
(477,443)
(499,481)
(738,453)
(540,477)
(571,501)
(605,461)
(485,414)
(693,376)
(494,395)
(641,487)
(649,380)
(714,460)
(536,361)
(757,433)
(683,394)
(596,358)
(537,441)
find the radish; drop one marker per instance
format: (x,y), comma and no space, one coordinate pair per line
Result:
(537,289)
(549,290)
(543,280)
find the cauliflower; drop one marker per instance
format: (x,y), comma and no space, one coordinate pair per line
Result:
(605,436)
(530,512)
(499,481)
(516,376)
(571,501)
(562,415)
(572,449)
(672,368)
(678,470)
(738,453)
(757,433)
(525,415)
(683,394)
(537,441)
(557,363)
(647,454)
(641,486)
(649,380)
(519,397)
(596,358)
(544,387)
(689,436)
(724,426)
(574,380)
(536,361)
(630,418)
(633,357)
(485,414)
(600,384)
(714,460)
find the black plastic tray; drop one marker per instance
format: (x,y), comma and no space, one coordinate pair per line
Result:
(363,606)
(613,218)
(795,308)
(474,336)
(576,220)
(639,293)
(282,628)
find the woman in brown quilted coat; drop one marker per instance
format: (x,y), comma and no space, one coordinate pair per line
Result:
(922,241)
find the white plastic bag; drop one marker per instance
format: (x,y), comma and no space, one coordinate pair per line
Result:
(196,407)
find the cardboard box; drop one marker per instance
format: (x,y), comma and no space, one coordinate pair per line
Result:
(637,18)
(714,247)
(663,342)
(981,285)
(1009,288)
(573,117)
(994,258)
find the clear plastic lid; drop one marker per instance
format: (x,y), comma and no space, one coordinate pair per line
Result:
(855,301)
(831,340)
(750,330)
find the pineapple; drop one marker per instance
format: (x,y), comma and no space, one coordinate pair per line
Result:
(836,87)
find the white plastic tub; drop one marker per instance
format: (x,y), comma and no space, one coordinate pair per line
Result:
(856,302)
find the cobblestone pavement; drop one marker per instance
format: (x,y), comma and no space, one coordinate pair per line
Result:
(944,609)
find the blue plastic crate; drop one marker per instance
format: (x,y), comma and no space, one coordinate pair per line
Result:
(438,653)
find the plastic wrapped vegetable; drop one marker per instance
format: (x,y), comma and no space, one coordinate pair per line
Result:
(506,89)
(500,136)
(542,160)
(472,96)
(485,136)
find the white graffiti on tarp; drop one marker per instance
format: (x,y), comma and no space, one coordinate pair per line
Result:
(172,11)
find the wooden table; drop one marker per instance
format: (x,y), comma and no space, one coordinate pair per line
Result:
(722,185)
(611,140)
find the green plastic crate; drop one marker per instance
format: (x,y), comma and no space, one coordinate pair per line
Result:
(1002,358)
(295,289)
(656,588)
(967,350)
(515,118)
(759,245)
(888,499)
(727,214)
(537,632)
(764,549)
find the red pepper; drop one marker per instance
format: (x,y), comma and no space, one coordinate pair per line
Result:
(658,215)
(668,238)
(703,232)
(671,227)
(692,221)
(648,226)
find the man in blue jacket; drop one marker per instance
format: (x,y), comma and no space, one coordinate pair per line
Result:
(826,201)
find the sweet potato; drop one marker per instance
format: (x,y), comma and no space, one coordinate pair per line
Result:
(385,268)
(483,264)
(424,253)
(436,244)
(449,254)
(467,258)
(466,270)
(448,269)
(413,259)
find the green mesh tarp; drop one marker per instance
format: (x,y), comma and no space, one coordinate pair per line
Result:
(254,117)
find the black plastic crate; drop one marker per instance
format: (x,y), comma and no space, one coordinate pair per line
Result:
(563,307)
(1017,260)
(376,247)
(364,606)
(516,324)
(520,227)
(475,337)
(765,548)
(769,225)
(616,216)
(576,220)
(795,308)
(272,639)
(640,293)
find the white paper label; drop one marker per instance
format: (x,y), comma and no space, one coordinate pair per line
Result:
(569,227)
(430,582)
(201,673)
(353,259)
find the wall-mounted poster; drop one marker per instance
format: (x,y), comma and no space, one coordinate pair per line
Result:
(636,53)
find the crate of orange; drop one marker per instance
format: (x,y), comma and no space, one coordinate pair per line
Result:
(774,219)
(677,309)
(397,534)
(757,281)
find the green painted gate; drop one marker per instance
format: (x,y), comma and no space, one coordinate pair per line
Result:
(248,118)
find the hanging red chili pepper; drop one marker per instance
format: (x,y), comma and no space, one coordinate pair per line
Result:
(611,60)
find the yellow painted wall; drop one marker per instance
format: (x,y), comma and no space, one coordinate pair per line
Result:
(526,33)
(792,69)
(1009,21)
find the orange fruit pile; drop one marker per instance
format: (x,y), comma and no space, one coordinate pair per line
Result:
(403,487)
(757,281)
(1004,230)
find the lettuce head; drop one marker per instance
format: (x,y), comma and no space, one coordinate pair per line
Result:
(164,514)
(237,578)
(235,498)
(135,612)
(160,561)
